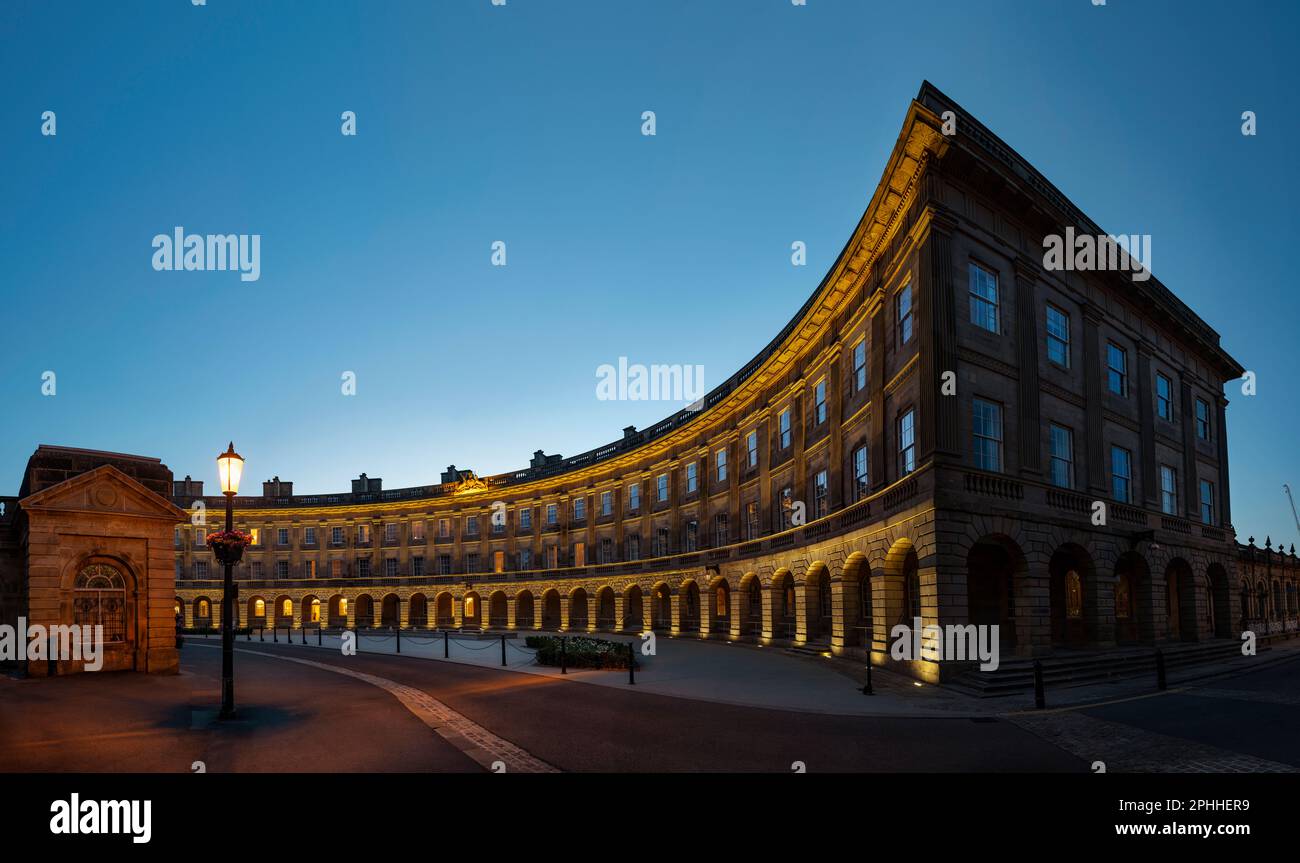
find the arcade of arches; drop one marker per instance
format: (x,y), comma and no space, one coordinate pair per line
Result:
(1071,597)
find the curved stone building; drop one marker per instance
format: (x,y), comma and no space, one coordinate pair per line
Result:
(946,430)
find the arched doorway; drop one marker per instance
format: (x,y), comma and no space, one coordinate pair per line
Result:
(551,610)
(311,611)
(689,597)
(661,608)
(857,593)
(445,614)
(991,568)
(633,609)
(390,614)
(578,611)
(498,613)
(1070,575)
(1132,600)
(202,612)
(752,617)
(257,612)
(720,608)
(365,612)
(338,611)
(817,597)
(783,605)
(524,610)
(605,613)
(283,611)
(1180,601)
(418,613)
(471,612)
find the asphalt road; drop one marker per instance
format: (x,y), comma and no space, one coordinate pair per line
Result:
(299,718)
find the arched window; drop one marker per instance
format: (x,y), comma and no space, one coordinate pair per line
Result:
(205,609)
(99,599)
(259,608)
(286,608)
(723,606)
(469,606)
(343,607)
(315,611)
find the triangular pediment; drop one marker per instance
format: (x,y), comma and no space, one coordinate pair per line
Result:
(103,490)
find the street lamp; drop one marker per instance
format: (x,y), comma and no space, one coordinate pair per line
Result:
(230,467)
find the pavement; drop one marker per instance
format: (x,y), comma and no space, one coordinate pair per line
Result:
(695,707)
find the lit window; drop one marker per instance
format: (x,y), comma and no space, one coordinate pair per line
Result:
(983,298)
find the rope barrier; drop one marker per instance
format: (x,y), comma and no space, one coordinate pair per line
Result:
(484,647)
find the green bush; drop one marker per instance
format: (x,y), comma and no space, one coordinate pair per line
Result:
(579,652)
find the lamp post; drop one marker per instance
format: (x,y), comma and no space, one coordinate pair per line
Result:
(230,467)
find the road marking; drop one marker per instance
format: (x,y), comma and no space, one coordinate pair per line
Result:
(466,735)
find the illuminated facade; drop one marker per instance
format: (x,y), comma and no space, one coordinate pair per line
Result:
(929,436)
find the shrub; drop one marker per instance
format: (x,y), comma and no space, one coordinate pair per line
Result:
(579,652)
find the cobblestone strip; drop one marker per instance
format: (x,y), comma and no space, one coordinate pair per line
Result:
(1126,749)
(466,735)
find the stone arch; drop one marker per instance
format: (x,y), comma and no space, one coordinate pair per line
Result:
(524,610)
(283,610)
(751,605)
(1133,601)
(688,599)
(1180,601)
(856,579)
(390,611)
(606,611)
(202,611)
(338,611)
(784,604)
(417,613)
(996,569)
(1072,597)
(471,616)
(498,610)
(257,611)
(551,609)
(719,606)
(311,610)
(579,610)
(661,607)
(899,587)
(364,613)
(633,608)
(444,609)
(816,594)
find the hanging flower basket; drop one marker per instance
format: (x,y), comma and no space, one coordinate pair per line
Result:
(229,545)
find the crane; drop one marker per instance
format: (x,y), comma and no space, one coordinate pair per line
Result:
(1286,488)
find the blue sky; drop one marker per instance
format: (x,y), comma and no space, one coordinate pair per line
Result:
(522,123)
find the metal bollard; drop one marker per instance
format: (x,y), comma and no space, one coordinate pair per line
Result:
(503,651)
(446,648)
(399,639)
(564,657)
(261,633)
(631,665)
(320,638)
(1040,699)
(1160,670)
(867,690)
(304,635)
(275,634)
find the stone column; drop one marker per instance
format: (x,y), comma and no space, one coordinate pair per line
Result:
(738,596)
(619,601)
(843,612)
(1094,446)
(769,625)
(457,612)
(1027,395)
(564,613)
(803,604)
(937,417)
(512,611)
(674,612)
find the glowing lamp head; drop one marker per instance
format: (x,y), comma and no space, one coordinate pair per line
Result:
(230,467)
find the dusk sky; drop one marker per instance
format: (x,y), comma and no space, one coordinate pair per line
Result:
(522,123)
